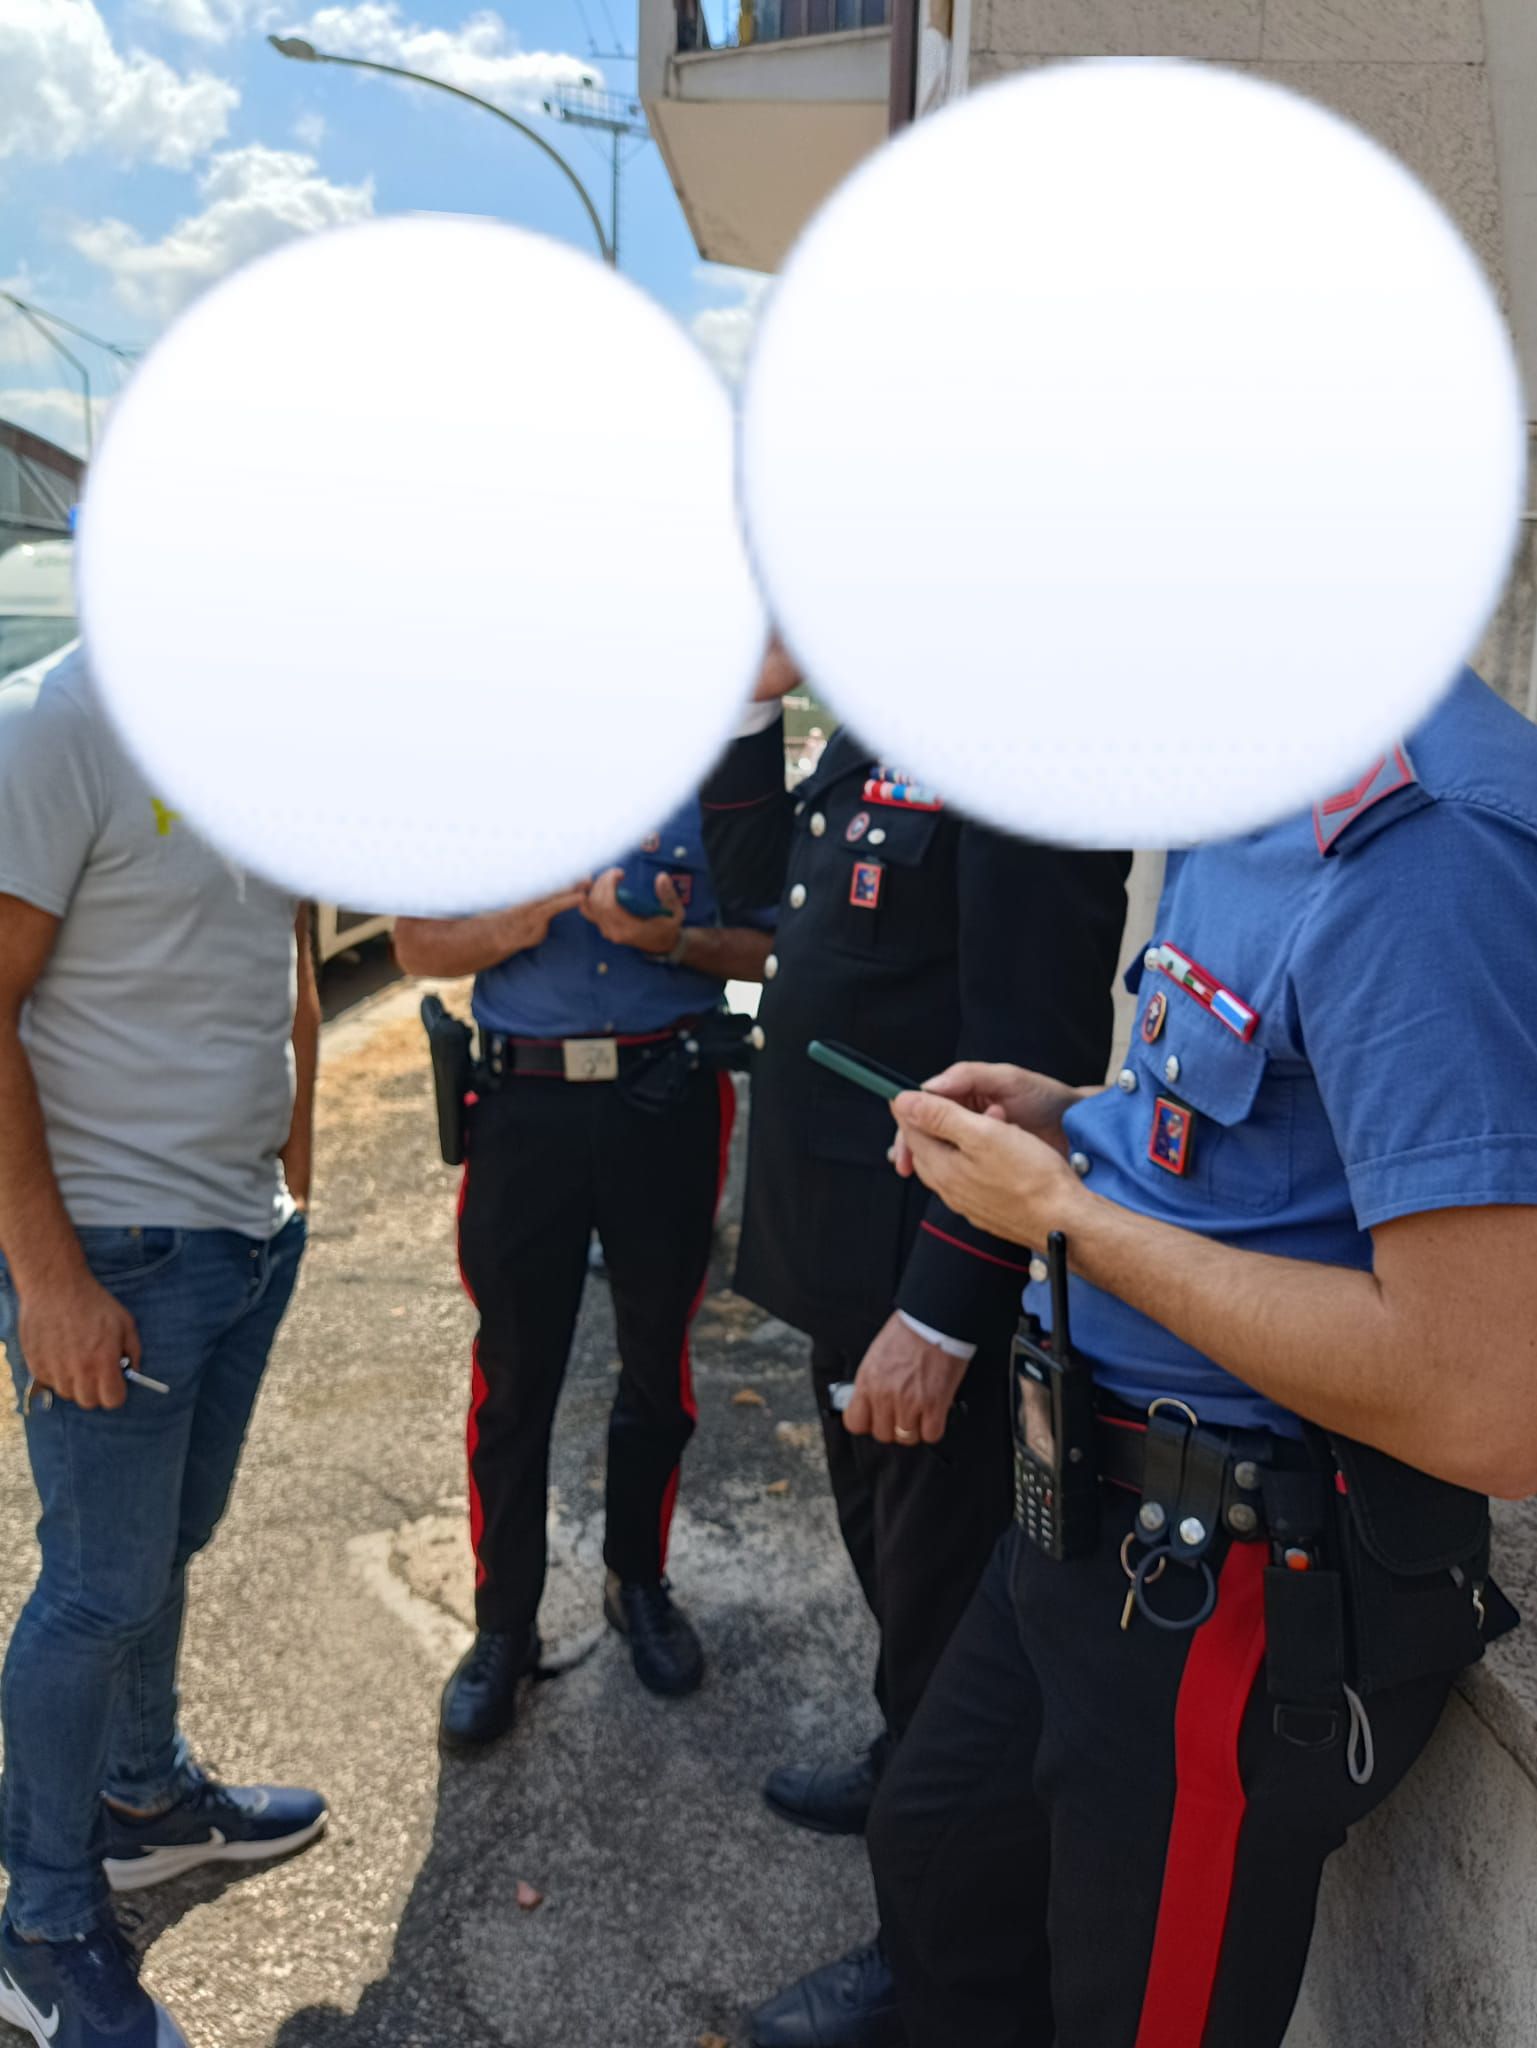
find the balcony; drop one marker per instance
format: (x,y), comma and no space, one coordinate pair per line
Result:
(760,108)
(720,25)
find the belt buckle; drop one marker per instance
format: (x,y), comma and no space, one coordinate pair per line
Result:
(590,1059)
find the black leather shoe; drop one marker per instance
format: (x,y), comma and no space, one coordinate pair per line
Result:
(830,1799)
(851,2003)
(663,1647)
(480,1701)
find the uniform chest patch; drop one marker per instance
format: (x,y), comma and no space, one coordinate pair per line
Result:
(865,888)
(1153,1016)
(1173,1129)
(859,825)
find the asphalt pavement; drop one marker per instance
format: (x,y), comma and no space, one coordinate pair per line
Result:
(337,1597)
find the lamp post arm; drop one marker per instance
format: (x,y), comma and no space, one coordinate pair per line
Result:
(442,85)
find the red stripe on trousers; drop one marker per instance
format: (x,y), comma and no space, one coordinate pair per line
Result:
(477,1388)
(726,1096)
(1209,1806)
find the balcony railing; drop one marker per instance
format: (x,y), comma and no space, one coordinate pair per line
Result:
(739,24)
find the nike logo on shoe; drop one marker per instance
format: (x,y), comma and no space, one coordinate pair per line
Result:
(44,2028)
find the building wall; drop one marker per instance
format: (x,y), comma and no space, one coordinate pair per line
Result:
(38,484)
(1450,86)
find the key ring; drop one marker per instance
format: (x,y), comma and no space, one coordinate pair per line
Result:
(1127,1541)
(1142,1578)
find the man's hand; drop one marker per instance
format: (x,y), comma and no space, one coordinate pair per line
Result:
(778,676)
(1013,1095)
(74,1335)
(1002,1179)
(469,945)
(538,916)
(904,1389)
(657,935)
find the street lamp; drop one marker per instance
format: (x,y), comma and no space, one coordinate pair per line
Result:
(306,53)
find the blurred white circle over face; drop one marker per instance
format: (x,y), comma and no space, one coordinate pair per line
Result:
(1132,451)
(410,566)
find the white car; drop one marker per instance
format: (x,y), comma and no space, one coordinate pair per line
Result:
(37,603)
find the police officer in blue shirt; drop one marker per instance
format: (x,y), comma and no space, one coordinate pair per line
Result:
(1302,1232)
(598,1108)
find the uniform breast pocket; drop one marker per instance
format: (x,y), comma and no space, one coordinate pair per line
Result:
(890,883)
(1219,1116)
(642,873)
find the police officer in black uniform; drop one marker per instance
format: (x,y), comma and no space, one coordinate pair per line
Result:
(914,936)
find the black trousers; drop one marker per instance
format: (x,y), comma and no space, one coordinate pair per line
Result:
(919,1531)
(1095,1839)
(549,1161)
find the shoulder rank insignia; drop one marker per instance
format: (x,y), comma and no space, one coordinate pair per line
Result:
(1335,814)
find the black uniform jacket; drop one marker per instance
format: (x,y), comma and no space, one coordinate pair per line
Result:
(919,938)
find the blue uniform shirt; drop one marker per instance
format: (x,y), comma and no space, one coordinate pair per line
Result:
(577,984)
(1386,946)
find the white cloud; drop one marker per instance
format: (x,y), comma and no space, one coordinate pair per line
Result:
(481,55)
(65,87)
(52,411)
(725,332)
(310,131)
(212,21)
(255,199)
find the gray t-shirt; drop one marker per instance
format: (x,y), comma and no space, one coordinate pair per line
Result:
(159,1031)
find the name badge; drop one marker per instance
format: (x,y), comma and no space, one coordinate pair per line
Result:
(591,1059)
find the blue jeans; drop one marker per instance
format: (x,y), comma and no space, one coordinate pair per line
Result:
(88,1693)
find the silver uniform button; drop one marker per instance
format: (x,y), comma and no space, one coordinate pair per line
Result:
(771,967)
(799,808)
(1150,959)
(680,853)
(1171,1068)
(878,836)
(797,895)
(1126,1081)
(1079,1162)
(818,824)
(755,1038)
(602,967)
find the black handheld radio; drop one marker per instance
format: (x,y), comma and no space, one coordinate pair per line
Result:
(1056,1483)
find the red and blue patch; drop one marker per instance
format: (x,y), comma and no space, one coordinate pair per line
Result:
(865,888)
(1173,1128)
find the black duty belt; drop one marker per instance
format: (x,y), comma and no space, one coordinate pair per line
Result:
(1250,1482)
(574,1059)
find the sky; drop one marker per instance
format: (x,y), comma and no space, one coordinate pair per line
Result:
(147,147)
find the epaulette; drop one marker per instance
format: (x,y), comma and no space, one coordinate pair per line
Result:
(1336,814)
